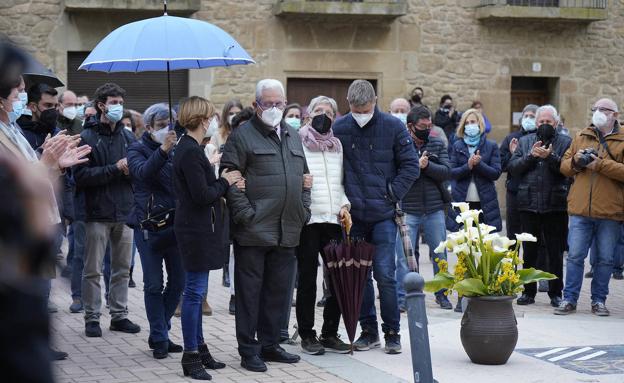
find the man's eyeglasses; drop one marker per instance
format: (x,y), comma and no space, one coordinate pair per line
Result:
(602,109)
(269,105)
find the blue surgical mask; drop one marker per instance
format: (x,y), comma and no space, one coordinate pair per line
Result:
(80,112)
(23,96)
(294,122)
(472,130)
(18,108)
(114,113)
(401,116)
(528,124)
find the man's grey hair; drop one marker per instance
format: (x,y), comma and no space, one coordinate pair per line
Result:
(530,108)
(316,101)
(269,83)
(360,93)
(549,108)
(157,112)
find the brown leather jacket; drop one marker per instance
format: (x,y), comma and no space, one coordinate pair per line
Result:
(597,193)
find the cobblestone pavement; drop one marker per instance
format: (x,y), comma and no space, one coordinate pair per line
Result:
(125,358)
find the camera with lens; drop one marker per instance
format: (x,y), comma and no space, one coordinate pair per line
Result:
(586,157)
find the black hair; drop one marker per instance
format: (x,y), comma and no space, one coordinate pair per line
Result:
(38,90)
(291,106)
(244,115)
(12,63)
(417,113)
(444,98)
(105,91)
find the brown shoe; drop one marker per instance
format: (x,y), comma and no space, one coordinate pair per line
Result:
(206,309)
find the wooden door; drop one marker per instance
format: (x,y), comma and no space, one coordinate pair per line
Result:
(302,90)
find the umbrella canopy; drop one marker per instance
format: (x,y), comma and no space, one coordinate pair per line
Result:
(165,43)
(348,264)
(36,73)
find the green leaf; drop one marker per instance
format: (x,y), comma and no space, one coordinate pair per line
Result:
(531,275)
(440,281)
(471,287)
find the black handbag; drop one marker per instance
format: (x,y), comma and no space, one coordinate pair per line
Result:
(157,220)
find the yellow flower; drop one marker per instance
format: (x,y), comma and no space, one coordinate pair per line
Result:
(442,264)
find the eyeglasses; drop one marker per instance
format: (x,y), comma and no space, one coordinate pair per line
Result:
(602,109)
(269,105)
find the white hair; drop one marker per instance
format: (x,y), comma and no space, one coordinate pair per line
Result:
(323,100)
(266,84)
(549,108)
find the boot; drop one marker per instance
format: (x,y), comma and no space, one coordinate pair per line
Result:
(206,309)
(192,366)
(131,282)
(207,359)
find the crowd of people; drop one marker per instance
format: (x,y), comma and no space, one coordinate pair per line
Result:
(259,191)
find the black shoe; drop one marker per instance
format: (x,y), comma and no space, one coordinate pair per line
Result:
(232,305)
(311,346)
(253,363)
(279,355)
(321,303)
(618,275)
(57,355)
(171,347)
(161,350)
(93,330)
(333,343)
(207,359)
(226,277)
(393,343)
(124,325)
(366,341)
(555,301)
(525,300)
(458,307)
(589,274)
(131,283)
(443,301)
(192,366)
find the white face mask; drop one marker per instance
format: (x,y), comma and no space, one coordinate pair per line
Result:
(230,117)
(160,135)
(23,96)
(401,116)
(212,128)
(362,118)
(128,128)
(70,113)
(599,119)
(272,117)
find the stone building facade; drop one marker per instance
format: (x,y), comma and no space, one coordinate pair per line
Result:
(497,51)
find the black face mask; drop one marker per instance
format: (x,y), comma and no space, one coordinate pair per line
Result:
(545,133)
(47,119)
(422,135)
(416,99)
(321,123)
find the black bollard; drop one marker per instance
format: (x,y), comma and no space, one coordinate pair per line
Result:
(414,284)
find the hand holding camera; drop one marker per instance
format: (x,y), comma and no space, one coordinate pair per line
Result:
(586,158)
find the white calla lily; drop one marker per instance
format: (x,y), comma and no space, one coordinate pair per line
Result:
(463,206)
(486,229)
(502,244)
(462,249)
(489,239)
(440,248)
(526,237)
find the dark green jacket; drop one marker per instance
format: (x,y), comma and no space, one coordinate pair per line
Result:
(73,127)
(275,206)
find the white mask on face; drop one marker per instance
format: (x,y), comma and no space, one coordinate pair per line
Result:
(599,119)
(160,135)
(212,128)
(230,117)
(70,113)
(362,118)
(401,116)
(272,117)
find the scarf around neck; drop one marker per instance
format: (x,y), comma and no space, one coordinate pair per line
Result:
(317,142)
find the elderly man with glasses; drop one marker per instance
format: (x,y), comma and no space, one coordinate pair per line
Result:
(267,220)
(595,204)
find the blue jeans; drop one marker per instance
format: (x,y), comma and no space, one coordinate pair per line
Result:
(195,291)
(582,232)
(383,235)
(160,300)
(70,248)
(434,231)
(79,237)
(618,256)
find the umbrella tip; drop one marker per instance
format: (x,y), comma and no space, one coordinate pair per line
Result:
(165,6)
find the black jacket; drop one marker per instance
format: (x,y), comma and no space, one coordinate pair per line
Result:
(512,182)
(275,206)
(449,124)
(200,223)
(542,188)
(107,191)
(425,195)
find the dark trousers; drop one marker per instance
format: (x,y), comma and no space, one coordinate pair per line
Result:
(262,283)
(550,230)
(313,239)
(513,223)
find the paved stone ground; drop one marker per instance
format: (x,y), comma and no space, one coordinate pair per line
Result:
(125,358)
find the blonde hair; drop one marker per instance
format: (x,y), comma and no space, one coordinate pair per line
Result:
(194,111)
(462,122)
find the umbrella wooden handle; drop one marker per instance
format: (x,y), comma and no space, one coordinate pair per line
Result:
(346,222)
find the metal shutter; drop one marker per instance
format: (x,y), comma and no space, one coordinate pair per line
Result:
(142,89)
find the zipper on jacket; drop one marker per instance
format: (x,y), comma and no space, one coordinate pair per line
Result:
(331,204)
(591,185)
